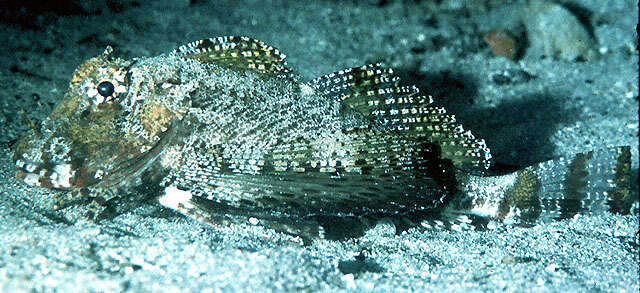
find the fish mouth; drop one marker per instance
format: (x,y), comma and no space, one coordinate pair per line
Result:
(36,167)
(39,170)
(57,176)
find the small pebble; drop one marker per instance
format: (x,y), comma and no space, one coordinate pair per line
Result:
(502,44)
(508,260)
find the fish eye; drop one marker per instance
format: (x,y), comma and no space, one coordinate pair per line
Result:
(106,88)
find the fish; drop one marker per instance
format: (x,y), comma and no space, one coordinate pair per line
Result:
(223,131)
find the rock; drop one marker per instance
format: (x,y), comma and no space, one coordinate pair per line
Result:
(554,31)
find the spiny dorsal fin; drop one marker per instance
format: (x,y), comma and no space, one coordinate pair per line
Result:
(376,93)
(236,52)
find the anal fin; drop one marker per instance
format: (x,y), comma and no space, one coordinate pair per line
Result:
(216,213)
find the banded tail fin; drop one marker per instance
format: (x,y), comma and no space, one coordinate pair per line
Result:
(376,93)
(591,183)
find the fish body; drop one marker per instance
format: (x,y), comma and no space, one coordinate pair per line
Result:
(228,133)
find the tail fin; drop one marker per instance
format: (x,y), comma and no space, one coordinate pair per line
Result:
(589,183)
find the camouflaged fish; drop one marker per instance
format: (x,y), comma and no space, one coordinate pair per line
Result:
(223,131)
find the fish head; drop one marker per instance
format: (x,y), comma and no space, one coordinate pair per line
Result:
(94,134)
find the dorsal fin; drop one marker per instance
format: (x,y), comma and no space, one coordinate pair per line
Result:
(376,93)
(242,53)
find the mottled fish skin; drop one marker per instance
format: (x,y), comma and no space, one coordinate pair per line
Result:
(230,134)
